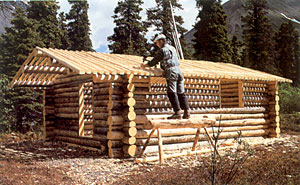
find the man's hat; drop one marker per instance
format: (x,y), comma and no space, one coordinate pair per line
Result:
(159,36)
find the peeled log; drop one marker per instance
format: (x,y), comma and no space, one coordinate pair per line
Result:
(192,131)
(115,152)
(81,141)
(129,140)
(184,123)
(115,135)
(115,120)
(131,131)
(114,144)
(129,150)
(189,145)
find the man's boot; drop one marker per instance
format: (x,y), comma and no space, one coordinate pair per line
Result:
(184,104)
(176,115)
(186,114)
(175,104)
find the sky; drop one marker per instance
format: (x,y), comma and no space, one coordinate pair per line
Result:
(101,21)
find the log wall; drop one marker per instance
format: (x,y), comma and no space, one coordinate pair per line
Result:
(113,113)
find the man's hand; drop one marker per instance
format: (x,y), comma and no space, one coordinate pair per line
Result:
(144,65)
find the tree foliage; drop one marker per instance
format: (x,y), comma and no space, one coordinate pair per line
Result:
(211,42)
(20,107)
(287,50)
(45,12)
(129,33)
(160,17)
(79,26)
(258,39)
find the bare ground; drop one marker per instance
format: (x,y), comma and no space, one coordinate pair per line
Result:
(274,161)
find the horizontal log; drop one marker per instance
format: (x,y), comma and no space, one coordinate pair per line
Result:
(114,144)
(81,141)
(66,89)
(67,104)
(67,115)
(67,109)
(229,86)
(107,97)
(142,134)
(66,100)
(202,137)
(104,130)
(195,122)
(115,152)
(72,79)
(129,140)
(131,131)
(115,135)
(129,150)
(188,145)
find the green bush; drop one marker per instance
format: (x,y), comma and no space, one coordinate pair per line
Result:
(289,99)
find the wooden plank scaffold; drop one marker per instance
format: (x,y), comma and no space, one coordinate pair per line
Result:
(159,124)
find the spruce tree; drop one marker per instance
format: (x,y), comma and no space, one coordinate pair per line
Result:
(287,50)
(236,51)
(45,12)
(257,35)
(79,26)
(161,18)
(129,33)
(64,31)
(20,107)
(211,42)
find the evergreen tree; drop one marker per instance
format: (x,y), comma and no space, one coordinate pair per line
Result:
(20,107)
(64,31)
(18,41)
(79,26)
(287,50)
(129,33)
(257,34)
(211,42)
(236,51)
(161,18)
(45,12)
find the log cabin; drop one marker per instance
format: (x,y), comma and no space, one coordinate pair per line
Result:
(105,101)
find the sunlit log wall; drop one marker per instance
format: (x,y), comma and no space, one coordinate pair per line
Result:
(112,112)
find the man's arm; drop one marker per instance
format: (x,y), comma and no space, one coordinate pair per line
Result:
(158,57)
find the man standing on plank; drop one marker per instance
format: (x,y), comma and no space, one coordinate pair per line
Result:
(167,57)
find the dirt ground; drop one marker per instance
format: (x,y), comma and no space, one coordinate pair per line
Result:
(272,161)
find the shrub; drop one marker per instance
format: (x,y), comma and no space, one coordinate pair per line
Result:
(289,98)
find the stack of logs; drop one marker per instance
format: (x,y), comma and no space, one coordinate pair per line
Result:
(255,94)
(230,93)
(70,93)
(107,106)
(251,122)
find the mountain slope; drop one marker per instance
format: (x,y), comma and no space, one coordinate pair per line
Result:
(234,10)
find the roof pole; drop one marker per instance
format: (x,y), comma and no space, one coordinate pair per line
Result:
(176,40)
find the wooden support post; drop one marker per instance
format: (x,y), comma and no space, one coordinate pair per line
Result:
(211,141)
(147,142)
(241,93)
(44,114)
(81,110)
(160,149)
(196,139)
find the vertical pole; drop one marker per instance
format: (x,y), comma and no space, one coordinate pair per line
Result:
(176,33)
(81,110)
(241,94)
(44,115)
(160,149)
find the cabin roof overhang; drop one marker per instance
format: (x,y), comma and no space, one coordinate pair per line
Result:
(43,65)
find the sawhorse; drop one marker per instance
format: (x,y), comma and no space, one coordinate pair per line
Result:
(157,125)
